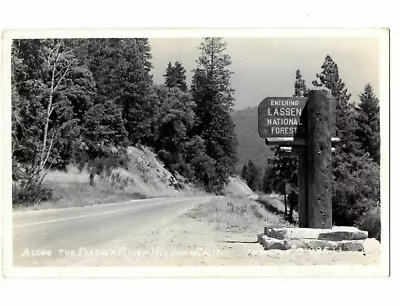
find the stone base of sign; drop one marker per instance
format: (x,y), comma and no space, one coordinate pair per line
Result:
(335,239)
(335,234)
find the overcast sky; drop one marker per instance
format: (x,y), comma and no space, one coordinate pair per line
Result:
(266,66)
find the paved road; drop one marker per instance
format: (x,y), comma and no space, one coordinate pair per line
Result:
(76,236)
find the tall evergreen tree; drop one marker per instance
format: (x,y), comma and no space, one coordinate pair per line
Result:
(245,172)
(252,175)
(134,99)
(175,76)
(174,118)
(213,95)
(368,130)
(300,88)
(145,54)
(354,192)
(345,111)
(267,180)
(121,68)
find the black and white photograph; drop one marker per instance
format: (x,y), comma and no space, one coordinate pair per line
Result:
(197,150)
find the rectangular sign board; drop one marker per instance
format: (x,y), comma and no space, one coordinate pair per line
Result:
(280,117)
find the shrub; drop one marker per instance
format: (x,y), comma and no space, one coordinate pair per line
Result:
(28,188)
(370,221)
(356,188)
(102,165)
(30,194)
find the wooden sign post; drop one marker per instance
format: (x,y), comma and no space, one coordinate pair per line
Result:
(305,127)
(319,159)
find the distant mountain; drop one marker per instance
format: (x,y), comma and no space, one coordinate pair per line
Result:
(250,144)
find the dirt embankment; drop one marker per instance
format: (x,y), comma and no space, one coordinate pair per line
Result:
(145,177)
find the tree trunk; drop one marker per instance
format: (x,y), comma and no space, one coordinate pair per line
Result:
(49,109)
(91,178)
(284,195)
(291,205)
(303,189)
(46,128)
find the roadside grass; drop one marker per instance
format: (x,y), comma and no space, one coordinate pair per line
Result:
(275,204)
(236,214)
(71,188)
(272,203)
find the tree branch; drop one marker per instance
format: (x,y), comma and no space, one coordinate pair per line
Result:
(51,52)
(51,110)
(62,77)
(55,62)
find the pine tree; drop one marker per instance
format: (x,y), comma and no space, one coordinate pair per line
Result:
(300,88)
(368,130)
(252,176)
(267,180)
(345,111)
(145,54)
(201,166)
(28,113)
(245,173)
(175,76)
(213,95)
(121,68)
(103,128)
(137,108)
(174,118)
(168,75)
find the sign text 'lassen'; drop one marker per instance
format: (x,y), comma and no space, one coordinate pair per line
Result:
(280,117)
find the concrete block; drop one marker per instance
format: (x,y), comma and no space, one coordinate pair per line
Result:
(334,234)
(339,235)
(312,244)
(351,245)
(273,244)
(364,245)
(315,244)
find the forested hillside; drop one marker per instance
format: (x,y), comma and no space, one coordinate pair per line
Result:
(85,101)
(250,145)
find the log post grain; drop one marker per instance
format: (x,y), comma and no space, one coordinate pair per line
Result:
(320,114)
(301,152)
(303,201)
